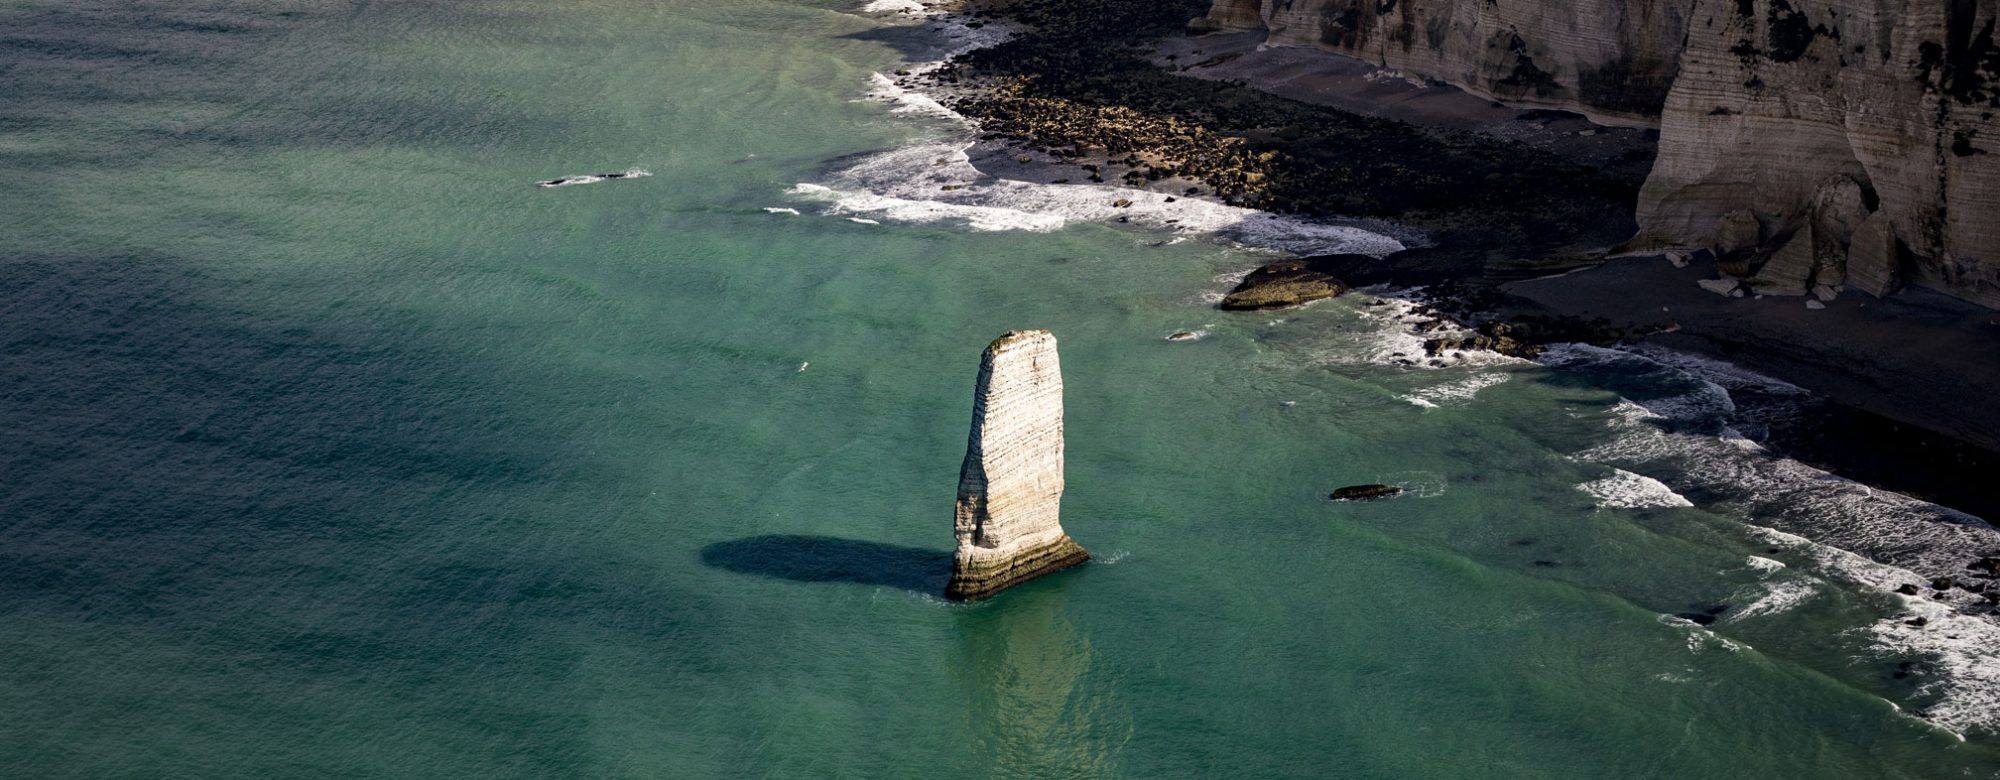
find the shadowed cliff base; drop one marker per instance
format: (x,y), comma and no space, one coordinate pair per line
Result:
(802,558)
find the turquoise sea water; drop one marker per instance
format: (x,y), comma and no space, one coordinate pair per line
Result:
(334,448)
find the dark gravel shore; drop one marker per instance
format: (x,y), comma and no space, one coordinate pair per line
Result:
(1079,85)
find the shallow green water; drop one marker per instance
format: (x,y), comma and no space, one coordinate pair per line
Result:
(334,448)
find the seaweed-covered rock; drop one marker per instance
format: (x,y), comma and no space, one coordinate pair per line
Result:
(1281,284)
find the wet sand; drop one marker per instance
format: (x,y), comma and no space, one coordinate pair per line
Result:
(1918,357)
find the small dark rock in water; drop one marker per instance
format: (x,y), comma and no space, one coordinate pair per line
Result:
(1918,622)
(1942,583)
(1907,590)
(1697,618)
(1281,284)
(1366,492)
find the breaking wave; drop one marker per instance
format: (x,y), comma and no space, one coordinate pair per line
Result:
(936,181)
(1624,489)
(1689,431)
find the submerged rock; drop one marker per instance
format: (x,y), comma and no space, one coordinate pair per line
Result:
(1281,284)
(1010,486)
(1366,492)
(1697,618)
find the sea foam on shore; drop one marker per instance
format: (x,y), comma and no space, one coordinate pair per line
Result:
(937,181)
(1688,436)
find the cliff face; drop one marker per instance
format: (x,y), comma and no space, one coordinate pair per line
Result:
(1855,132)
(1816,142)
(1613,59)
(1010,486)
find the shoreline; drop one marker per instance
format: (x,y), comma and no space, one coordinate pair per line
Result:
(1893,373)
(1488,261)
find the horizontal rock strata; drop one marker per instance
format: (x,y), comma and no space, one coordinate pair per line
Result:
(1856,133)
(1010,486)
(1612,59)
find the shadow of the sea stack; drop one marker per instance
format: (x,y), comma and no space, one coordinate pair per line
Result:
(830,559)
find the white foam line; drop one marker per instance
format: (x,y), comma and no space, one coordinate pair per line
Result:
(1771,598)
(894,7)
(1391,338)
(1627,490)
(937,182)
(905,101)
(1762,565)
(1965,649)
(1457,392)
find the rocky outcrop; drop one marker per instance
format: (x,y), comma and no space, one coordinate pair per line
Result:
(1852,143)
(1010,487)
(1281,284)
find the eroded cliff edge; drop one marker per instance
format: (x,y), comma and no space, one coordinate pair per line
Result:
(1837,143)
(1010,487)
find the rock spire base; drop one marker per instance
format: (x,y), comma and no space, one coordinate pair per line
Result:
(1010,486)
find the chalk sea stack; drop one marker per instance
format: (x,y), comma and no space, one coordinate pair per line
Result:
(1010,488)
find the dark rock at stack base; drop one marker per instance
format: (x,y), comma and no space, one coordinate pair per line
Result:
(979,579)
(1281,284)
(1366,492)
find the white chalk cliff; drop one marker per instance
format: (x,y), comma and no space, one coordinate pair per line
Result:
(1010,487)
(1607,58)
(1823,143)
